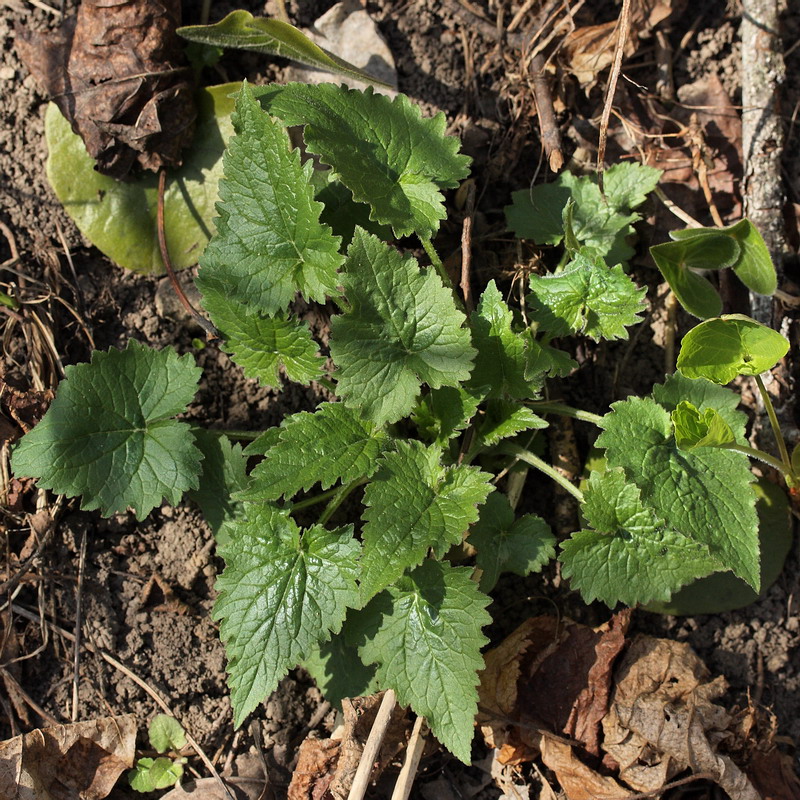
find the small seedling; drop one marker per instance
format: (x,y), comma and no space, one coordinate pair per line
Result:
(166,736)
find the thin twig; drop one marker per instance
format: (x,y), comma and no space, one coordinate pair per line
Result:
(676,209)
(622,37)
(372,746)
(416,746)
(76,653)
(700,776)
(466,248)
(48,718)
(24,612)
(212,334)
(548,127)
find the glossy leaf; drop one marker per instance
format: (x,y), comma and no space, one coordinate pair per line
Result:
(720,349)
(119,217)
(695,429)
(240,29)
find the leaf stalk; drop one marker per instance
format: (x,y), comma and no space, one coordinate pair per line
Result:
(529,458)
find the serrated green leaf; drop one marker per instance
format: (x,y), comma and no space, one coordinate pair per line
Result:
(98,203)
(242,30)
(269,242)
(754,265)
(330,445)
(402,329)
(704,494)
(506,544)
(109,436)
(695,429)
(381,149)
(601,224)
(587,297)
(338,671)
(280,594)
(261,345)
(678,259)
(536,213)
(703,395)
(425,636)
(723,591)
(151,774)
(344,214)
(504,419)
(720,349)
(443,413)
(501,360)
(542,360)
(166,733)
(224,473)
(413,504)
(631,557)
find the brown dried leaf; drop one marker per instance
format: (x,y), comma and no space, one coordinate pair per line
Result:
(578,781)
(118,74)
(84,759)
(316,765)
(662,719)
(587,51)
(549,677)
(242,788)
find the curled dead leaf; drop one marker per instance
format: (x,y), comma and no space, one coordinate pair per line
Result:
(83,760)
(118,74)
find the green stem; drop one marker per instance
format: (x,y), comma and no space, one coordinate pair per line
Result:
(439,267)
(546,407)
(328,384)
(752,452)
(339,497)
(316,499)
(246,435)
(776,428)
(534,460)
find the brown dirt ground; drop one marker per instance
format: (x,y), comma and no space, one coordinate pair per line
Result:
(177,651)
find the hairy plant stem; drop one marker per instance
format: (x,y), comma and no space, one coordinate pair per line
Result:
(776,430)
(439,267)
(546,407)
(338,498)
(247,435)
(760,455)
(529,458)
(326,495)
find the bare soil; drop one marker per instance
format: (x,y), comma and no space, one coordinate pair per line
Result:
(445,63)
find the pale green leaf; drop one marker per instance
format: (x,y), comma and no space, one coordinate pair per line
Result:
(588,298)
(720,349)
(332,444)
(262,345)
(381,149)
(119,217)
(269,242)
(425,636)
(506,544)
(150,774)
(501,360)
(166,733)
(703,494)
(678,259)
(695,429)
(754,265)
(504,419)
(240,29)
(109,434)
(628,184)
(281,593)
(413,504)
(402,329)
(632,557)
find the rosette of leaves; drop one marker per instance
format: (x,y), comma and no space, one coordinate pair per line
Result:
(375,592)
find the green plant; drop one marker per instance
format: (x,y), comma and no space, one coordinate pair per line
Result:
(166,736)
(434,406)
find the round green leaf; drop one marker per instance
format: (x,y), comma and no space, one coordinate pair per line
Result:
(722,348)
(166,733)
(119,218)
(723,591)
